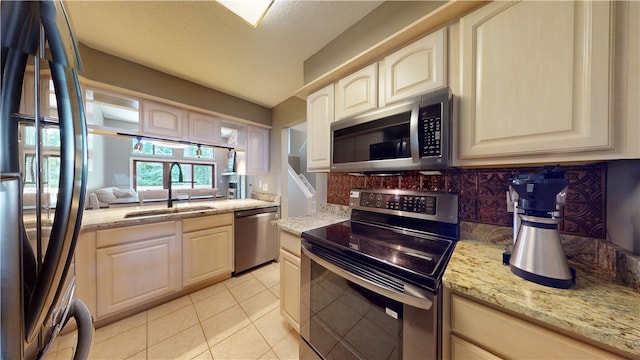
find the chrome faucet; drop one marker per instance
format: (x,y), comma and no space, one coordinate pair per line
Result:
(180,179)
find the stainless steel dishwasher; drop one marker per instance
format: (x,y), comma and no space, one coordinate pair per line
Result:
(256,237)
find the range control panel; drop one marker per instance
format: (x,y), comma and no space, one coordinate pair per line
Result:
(438,206)
(415,204)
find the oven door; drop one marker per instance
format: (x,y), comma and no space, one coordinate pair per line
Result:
(348,312)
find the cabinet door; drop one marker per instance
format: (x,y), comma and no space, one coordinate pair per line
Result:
(204,129)
(319,117)
(357,92)
(290,288)
(206,254)
(414,69)
(162,120)
(535,79)
(135,273)
(257,150)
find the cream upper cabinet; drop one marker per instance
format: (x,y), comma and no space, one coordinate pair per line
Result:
(111,111)
(204,129)
(320,115)
(163,120)
(257,151)
(357,92)
(414,69)
(207,248)
(535,80)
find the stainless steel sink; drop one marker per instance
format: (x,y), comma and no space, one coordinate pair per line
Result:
(174,210)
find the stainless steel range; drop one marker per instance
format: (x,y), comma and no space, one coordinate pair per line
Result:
(370,286)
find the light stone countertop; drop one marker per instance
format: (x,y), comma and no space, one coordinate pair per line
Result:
(297,225)
(115,217)
(597,308)
(328,214)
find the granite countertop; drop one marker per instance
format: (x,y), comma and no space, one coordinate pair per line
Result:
(328,214)
(298,225)
(597,308)
(115,217)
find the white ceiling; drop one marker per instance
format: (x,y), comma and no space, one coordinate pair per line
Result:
(202,42)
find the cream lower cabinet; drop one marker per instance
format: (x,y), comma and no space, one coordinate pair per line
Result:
(131,268)
(135,264)
(536,82)
(476,331)
(207,248)
(462,349)
(290,278)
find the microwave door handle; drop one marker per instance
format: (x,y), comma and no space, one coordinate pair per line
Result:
(413,133)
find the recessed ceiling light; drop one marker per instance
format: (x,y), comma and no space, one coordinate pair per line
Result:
(251,11)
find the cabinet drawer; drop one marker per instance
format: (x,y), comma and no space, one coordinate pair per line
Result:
(290,242)
(512,337)
(129,234)
(207,222)
(462,349)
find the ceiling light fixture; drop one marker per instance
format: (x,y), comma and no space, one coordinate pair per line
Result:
(138,146)
(251,11)
(199,151)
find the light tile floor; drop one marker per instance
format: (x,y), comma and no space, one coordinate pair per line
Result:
(236,319)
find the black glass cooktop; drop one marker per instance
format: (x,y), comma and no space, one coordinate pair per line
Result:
(416,257)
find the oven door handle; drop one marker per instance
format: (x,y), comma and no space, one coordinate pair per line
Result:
(412,296)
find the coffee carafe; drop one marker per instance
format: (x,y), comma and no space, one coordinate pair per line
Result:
(537,254)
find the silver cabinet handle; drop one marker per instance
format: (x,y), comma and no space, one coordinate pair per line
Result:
(412,296)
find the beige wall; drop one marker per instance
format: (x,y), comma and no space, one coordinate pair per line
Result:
(111,70)
(382,22)
(288,113)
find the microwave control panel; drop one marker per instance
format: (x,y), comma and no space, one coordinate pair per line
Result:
(430,127)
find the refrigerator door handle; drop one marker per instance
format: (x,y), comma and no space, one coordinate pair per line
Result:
(73,173)
(81,314)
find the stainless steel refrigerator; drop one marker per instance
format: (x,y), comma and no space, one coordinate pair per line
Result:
(43,170)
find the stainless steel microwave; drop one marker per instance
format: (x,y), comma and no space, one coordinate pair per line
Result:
(411,135)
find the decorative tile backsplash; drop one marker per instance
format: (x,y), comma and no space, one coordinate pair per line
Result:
(482,193)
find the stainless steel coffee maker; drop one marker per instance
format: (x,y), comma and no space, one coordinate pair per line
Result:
(537,254)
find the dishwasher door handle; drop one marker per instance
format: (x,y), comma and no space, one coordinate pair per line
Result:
(253,212)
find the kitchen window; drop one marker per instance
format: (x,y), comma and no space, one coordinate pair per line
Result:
(154,174)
